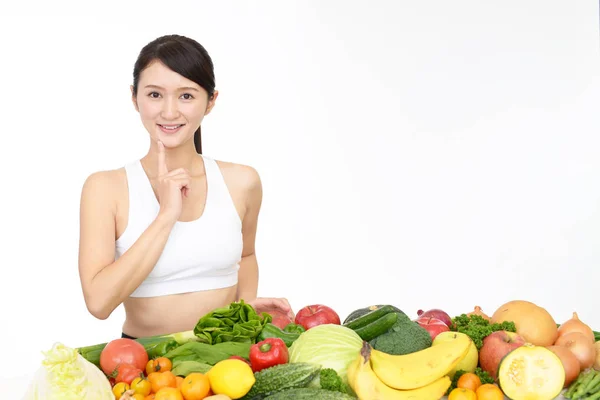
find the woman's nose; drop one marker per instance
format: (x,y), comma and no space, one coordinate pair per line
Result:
(170,109)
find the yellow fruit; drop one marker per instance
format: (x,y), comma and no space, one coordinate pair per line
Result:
(418,369)
(469,362)
(367,385)
(231,377)
(119,389)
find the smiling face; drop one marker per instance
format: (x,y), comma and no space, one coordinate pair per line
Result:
(171,107)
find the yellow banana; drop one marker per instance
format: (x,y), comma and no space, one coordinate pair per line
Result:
(368,386)
(414,370)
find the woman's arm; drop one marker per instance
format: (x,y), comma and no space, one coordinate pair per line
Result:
(106,283)
(248,273)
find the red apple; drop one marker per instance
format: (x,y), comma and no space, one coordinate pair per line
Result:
(433,325)
(495,346)
(317,314)
(280,319)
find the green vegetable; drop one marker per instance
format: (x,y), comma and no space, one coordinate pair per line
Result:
(330,346)
(208,354)
(484,377)
(477,327)
(270,331)
(330,380)
(362,311)
(369,317)
(65,374)
(586,386)
(238,322)
(184,368)
(282,377)
(309,394)
(378,327)
(294,328)
(403,338)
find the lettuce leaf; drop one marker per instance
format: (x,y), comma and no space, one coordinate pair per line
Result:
(238,322)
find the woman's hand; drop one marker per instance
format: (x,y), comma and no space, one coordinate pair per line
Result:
(172,186)
(269,304)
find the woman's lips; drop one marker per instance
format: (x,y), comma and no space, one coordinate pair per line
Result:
(171,128)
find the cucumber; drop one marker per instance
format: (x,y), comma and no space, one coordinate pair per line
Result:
(377,327)
(310,394)
(282,377)
(369,317)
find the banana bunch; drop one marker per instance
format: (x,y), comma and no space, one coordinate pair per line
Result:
(422,375)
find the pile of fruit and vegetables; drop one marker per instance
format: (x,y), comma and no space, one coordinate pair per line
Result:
(376,353)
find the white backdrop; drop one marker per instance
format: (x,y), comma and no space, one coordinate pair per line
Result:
(424,154)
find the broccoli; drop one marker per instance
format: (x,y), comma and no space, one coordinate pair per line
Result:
(330,380)
(403,338)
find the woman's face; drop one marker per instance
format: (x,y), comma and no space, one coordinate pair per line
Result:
(171,107)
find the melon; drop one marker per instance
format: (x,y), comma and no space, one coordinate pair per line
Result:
(533,322)
(531,373)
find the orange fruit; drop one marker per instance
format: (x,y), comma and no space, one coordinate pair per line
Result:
(150,397)
(461,394)
(489,392)
(468,381)
(161,380)
(179,381)
(195,386)
(168,393)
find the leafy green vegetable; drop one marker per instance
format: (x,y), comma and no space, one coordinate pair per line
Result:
(238,322)
(477,327)
(330,380)
(66,374)
(207,353)
(483,376)
(184,368)
(329,345)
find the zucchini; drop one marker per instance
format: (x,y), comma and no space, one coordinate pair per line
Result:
(310,394)
(282,377)
(377,327)
(369,317)
(362,311)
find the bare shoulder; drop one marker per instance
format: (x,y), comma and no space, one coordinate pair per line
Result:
(104,184)
(240,176)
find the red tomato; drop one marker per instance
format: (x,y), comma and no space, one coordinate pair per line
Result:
(123,351)
(127,373)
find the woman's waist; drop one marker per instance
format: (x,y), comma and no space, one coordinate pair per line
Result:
(149,316)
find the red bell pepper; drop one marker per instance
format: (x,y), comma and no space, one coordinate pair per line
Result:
(268,353)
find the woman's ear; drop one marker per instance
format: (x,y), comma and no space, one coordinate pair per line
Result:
(211,102)
(133,99)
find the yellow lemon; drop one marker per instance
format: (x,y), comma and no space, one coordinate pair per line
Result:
(231,377)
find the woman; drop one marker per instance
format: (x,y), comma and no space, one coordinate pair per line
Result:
(171,236)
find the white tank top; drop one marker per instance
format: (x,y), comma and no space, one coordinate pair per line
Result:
(203,254)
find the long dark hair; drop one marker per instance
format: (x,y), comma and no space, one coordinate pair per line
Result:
(186,57)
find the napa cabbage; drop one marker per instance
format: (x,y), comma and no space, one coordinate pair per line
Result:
(66,375)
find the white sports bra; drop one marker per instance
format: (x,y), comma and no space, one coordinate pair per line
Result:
(203,254)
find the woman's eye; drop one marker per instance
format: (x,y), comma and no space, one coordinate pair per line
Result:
(189,96)
(152,94)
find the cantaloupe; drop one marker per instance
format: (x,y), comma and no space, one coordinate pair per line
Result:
(533,322)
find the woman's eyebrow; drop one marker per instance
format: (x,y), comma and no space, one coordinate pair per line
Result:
(181,88)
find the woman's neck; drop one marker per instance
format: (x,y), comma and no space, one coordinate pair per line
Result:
(180,157)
